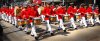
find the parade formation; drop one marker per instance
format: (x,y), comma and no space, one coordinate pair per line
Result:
(26,17)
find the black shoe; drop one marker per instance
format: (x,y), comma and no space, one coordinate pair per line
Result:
(27,32)
(32,35)
(75,28)
(64,30)
(16,26)
(52,34)
(59,29)
(20,29)
(92,25)
(36,38)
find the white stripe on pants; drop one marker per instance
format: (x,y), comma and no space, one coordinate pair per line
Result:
(61,24)
(72,22)
(83,21)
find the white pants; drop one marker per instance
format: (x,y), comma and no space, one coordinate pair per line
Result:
(57,17)
(3,16)
(83,21)
(72,22)
(10,18)
(91,20)
(33,30)
(97,20)
(26,28)
(7,17)
(15,21)
(49,26)
(42,16)
(61,24)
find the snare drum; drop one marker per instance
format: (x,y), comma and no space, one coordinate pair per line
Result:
(96,15)
(53,19)
(66,18)
(77,16)
(89,16)
(19,23)
(37,21)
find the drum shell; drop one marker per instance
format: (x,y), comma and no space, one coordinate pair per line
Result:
(53,19)
(78,17)
(66,18)
(37,21)
(89,16)
(19,23)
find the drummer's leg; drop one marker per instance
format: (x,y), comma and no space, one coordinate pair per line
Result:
(10,19)
(57,17)
(81,22)
(42,16)
(4,16)
(92,22)
(26,28)
(15,23)
(49,27)
(72,22)
(13,20)
(84,21)
(33,32)
(97,19)
(62,25)
(7,17)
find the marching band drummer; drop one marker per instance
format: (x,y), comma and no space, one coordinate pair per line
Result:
(7,13)
(47,12)
(90,13)
(77,15)
(82,11)
(12,13)
(2,16)
(15,15)
(70,11)
(96,13)
(32,14)
(60,13)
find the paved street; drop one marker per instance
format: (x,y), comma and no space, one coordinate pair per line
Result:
(82,34)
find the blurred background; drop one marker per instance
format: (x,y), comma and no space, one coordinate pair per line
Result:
(64,2)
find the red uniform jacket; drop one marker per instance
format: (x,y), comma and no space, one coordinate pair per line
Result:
(70,11)
(96,11)
(32,13)
(53,12)
(23,14)
(82,11)
(12,12)
(75,10)
(60,12)
(47,11)
(89,10)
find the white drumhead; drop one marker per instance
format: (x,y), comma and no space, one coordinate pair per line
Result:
(37,18)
